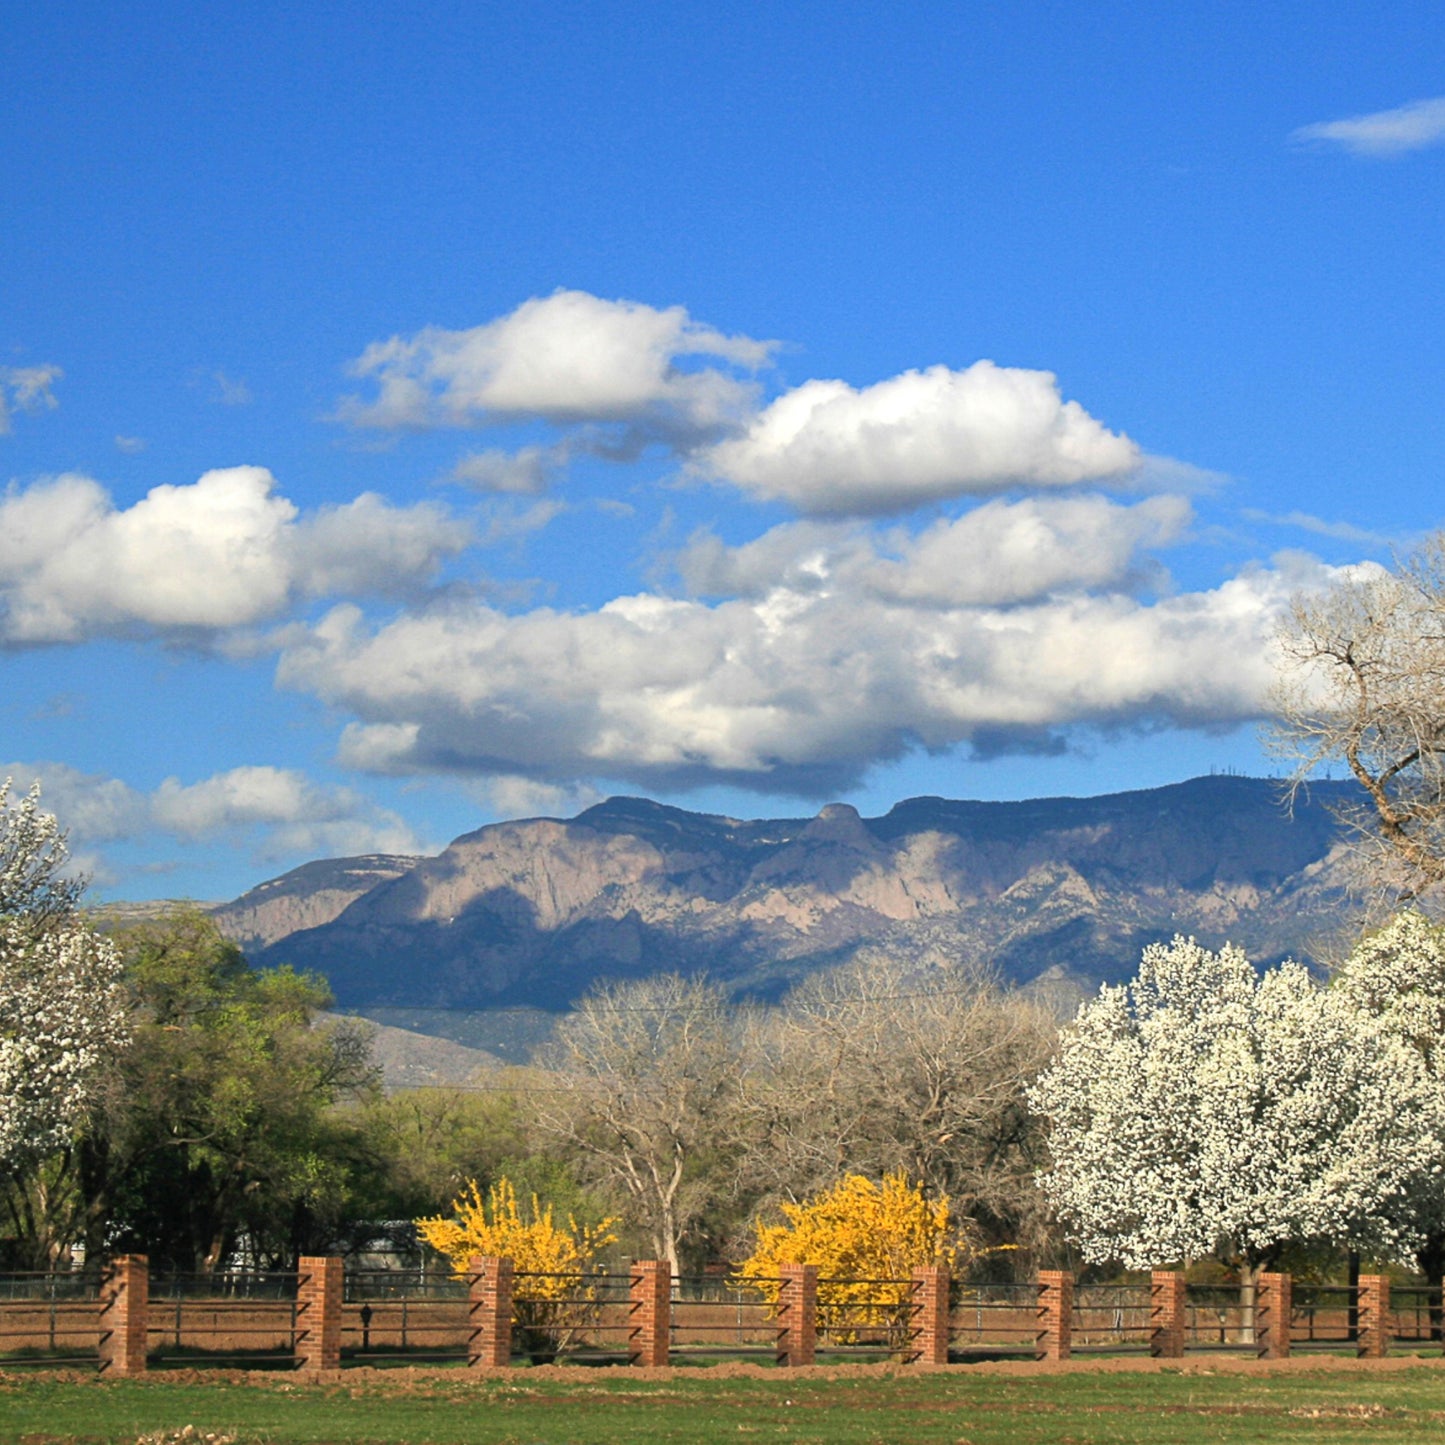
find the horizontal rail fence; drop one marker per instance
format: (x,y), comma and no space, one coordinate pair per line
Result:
(123,1320)
(404,1315)
(578,1315)
(50,1318)
(1325,1315)
(864,1318)
(1111,1316)
(1217,1317)
(1417,1315)
(222,1318)
(722,1317)
(990,1320)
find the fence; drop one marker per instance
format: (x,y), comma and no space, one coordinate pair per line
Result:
(124,1321)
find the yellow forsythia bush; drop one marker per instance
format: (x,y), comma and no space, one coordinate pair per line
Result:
(865,1240)
(551,1303)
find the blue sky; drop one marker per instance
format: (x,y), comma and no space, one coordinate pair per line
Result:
(418,416)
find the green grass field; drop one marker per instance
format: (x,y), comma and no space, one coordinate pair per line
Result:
(1405,1401)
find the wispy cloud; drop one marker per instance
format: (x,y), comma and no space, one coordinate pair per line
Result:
(526,471)
(1383,132)
(26,388)
(1341,531)
(231,390)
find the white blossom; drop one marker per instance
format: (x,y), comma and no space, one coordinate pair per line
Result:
(1205,1109)
(62,1015)
(1395,978)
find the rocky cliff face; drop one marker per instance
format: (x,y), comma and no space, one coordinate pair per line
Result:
(306,897)
(533,912)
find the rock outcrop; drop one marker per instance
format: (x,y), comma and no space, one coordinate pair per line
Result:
(532,913)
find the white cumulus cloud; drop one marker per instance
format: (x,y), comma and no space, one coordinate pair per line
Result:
(226,551)
(794,690)
(1409,127)
(569,358)
(280,811)
(999,553)
(828,448)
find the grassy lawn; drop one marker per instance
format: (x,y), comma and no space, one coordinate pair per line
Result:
(544,1407)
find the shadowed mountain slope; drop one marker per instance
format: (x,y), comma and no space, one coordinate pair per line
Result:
(532,912)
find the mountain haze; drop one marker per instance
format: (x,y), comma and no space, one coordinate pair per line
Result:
(533,912)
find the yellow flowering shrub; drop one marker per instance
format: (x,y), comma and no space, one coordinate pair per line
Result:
(553,1303)
(865,1240)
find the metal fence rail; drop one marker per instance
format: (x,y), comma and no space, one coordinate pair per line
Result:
(991,1319)
(1218,1317)
(412,1315)
(227,1318)
(1111,1316)
(434,1315)
(49,1318)
(1418,1315)
(722,1317)
(1324,1315)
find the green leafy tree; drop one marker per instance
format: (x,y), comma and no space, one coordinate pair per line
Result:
(428,1144)
(225,1126)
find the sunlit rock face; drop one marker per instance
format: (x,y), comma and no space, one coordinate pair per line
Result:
(534,912)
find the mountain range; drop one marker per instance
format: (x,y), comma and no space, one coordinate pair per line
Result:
(531,913)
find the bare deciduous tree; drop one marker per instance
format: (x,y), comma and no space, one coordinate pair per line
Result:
(877,1068)
(646,1077)
(1363,683)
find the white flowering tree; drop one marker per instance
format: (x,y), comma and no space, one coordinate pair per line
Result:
(61,1011)
(1204,1109)
(1395,977)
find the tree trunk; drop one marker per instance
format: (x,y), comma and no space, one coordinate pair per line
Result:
(1431,1260)
(1248,1296)
(1354,1283)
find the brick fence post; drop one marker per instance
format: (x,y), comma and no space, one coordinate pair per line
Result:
(929,1345)
(798,1314)
(1373,1340)
(489,1312)
(124,1311)
(1055,1315)
(318,1312)
(1166,1314)
(1273,1303)
(649,1294)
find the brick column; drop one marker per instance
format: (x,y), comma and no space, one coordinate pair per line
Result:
(649,1294)
(124,1310)
(1373,1339)
(489,1312)
(798,1314)
(929,1345)
(1055,1315)
(1273,1301)
(318,1312)
(1166,1314)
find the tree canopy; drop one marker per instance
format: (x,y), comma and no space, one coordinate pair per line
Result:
(1203,1109)
(62,1020)
(1362,683)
